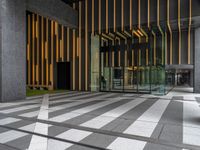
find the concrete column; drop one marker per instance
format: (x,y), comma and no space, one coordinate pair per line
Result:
(12,50)
(191,78)
(197,61)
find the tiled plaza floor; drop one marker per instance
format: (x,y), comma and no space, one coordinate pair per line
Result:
(98,121)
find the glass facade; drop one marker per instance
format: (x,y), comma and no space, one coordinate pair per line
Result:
(133,63)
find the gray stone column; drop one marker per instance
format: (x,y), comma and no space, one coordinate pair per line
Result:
(12,50)
(191,78)
(197,61)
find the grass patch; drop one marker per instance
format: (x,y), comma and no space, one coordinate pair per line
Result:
(30,92)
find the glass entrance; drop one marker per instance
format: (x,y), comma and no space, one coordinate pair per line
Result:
(125,65)
(133,61)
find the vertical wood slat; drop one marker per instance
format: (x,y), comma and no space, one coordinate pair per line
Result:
(80,53)
(139,14)
(114,16)
(148,15)
(170,31)
(33,49)
(92,17)
(28,47)
(62,43)
(131,14)
(52,53)
(47,52)
(68,44)
(99,16)
(57,41)
(160,29)
(122,15)
(106,16)
(42,44)
(38,50)
(86,45)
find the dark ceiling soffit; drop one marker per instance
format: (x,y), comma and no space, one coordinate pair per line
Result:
(55,10)
(70,2)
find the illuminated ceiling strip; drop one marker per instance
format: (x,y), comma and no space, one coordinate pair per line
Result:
(142,30)
(139,32)
(104,39)
(134,32)
(111,34)
(121,35)
(127,33)
(110,38)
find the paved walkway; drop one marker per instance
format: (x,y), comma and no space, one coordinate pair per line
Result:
(98,121)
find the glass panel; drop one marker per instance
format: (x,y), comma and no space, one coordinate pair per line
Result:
(143,70)
(117,78)
(170,79)
(158,62)
(105,71)
(94,63)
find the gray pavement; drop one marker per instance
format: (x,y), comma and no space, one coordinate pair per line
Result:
(88,121)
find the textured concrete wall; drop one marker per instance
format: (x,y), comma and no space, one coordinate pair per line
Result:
(55,10)
(197,61)
(12,50)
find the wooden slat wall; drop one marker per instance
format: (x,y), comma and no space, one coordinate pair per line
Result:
(49,42)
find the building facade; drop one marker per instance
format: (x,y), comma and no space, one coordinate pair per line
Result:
(142,46)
